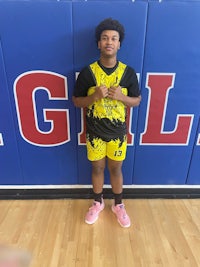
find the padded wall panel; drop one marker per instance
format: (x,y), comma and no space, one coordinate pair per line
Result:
(172,66)
(38,53)
(194,170)
(133,17)
(10,171)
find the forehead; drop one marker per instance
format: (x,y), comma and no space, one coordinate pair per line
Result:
(110,33)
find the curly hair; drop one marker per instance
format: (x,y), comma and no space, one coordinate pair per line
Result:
(110,24)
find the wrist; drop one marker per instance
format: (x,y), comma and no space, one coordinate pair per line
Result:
(95,97)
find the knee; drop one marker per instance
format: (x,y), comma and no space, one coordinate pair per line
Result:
(115,170)
(97,170)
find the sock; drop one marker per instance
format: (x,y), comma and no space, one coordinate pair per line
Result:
(118,198)
(98,196)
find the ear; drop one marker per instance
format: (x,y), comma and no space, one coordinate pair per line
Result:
(119,45)
(98,44)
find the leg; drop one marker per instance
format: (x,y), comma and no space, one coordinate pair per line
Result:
(116,179)
(116,153)
(96,152)
(98,168)
(116,176)
(96,149)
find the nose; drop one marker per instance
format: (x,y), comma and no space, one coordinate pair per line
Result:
(109,40)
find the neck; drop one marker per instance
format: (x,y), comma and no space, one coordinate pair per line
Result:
(108,62)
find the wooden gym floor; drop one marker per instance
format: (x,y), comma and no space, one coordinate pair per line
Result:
(164,232)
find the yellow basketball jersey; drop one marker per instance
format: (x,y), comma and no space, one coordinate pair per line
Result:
(113,110)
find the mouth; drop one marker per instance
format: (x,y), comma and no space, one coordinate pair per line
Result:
(108,48)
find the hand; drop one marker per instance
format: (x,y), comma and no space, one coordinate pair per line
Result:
(101,92)
(115,93)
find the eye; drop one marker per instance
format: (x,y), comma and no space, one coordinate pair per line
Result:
(115,39)
(104,38)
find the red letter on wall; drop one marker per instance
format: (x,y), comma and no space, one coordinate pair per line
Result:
(55,85)
(159,85)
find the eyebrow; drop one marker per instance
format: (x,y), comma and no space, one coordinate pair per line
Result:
(105,35)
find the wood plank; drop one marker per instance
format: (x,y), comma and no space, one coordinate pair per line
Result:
(164,232)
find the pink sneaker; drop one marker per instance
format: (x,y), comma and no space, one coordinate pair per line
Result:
(93,213)
(121,214)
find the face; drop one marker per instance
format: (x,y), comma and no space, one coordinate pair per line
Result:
(109,43)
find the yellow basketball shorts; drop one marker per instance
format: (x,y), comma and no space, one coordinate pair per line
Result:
(98,149)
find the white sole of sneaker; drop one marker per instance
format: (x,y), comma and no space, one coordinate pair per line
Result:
(92,221)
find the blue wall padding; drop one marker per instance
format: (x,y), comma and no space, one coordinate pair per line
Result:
(172,45)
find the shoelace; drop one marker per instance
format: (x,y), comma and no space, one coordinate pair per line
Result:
(122,211)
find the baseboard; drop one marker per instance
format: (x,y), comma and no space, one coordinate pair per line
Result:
(86,193)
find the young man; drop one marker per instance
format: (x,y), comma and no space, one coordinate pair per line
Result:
(106,88)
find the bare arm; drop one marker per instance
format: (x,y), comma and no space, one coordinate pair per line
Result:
(116,93)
